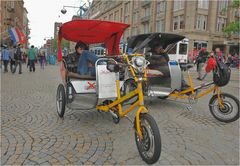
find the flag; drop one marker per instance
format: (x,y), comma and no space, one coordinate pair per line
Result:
(13,34)
(21,36)
(17,36)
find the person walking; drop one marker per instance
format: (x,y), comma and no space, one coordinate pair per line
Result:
(200,61)
(42,59)
(31,59)
(12,60)
(5,58)
(18,58)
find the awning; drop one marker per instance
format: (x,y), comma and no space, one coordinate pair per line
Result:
(92,32)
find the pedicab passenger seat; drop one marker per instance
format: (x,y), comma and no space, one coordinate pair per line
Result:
(77,76)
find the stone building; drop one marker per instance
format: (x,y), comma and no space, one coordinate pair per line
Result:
(13,14)
(201,21)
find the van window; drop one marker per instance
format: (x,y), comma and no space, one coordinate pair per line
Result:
(183,48)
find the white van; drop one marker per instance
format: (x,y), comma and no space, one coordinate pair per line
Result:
(99,51)
(180,52)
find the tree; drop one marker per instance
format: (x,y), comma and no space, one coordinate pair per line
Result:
(64,44)
(233,27)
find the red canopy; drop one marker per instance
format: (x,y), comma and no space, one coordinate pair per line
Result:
(91,32)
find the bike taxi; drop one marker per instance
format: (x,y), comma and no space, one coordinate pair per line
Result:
(166,79)
(85,92)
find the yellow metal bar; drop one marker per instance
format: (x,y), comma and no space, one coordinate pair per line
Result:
(118,101)
(140,93)
(220,102)
(141,109)
(129,109)
(177,95)
(190,80)
(205,92)
(119,96)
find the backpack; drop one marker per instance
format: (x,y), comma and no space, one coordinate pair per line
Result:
(221,74)
(18,54)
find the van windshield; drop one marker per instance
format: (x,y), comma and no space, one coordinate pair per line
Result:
(183,48)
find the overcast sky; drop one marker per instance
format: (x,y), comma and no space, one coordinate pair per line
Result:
(43,13)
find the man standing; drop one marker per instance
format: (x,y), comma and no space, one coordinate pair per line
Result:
(31,59)
(200,61)
(18,58)
(5,58)
(12,60)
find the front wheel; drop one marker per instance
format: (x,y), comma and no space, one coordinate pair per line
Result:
(61,100)
(150,145)
(230,110)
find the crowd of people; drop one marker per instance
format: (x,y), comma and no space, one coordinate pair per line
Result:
(14,56)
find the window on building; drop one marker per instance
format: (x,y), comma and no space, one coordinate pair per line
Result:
(111,17)
(126,19)
(203,4)
(178,5)
(105,18)
(135,4)
(126,8)
(116,16)
(222,5)
(178,22)
(146,11)
(135,17)
(181,22)
(221,23)
(146,28)
(201,22)
(161,6)
(160,26)
(175,23)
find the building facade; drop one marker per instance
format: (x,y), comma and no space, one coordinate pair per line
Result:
(13,14)
(201,21)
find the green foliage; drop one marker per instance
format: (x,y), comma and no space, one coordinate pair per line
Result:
(64,44)
(233,27)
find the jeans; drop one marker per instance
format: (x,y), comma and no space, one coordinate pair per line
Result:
(84,59)
(32,65)
(199,69)
(5,62)
(19,62)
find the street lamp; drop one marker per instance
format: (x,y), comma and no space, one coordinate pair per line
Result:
(81,9)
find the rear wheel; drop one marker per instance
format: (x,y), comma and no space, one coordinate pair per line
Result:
(61,100)
(230,110)
(150,145)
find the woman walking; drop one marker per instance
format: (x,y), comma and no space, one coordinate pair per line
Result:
(42,59)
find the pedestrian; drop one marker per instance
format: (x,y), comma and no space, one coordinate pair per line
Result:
(200,61)
(31,59)
(211,64)
(18,58)
(12,60)
(5,58)
(219,54)
(42,59)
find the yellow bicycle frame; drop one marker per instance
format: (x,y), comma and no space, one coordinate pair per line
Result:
(192,90)
(120,99)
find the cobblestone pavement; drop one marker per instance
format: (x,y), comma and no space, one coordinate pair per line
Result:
(32,132)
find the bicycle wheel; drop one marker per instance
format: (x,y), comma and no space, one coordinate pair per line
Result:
(230,110)
(150,145)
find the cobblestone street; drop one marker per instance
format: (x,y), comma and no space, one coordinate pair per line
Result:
(32,133)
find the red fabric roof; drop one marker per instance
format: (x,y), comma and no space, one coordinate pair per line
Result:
(93,31)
